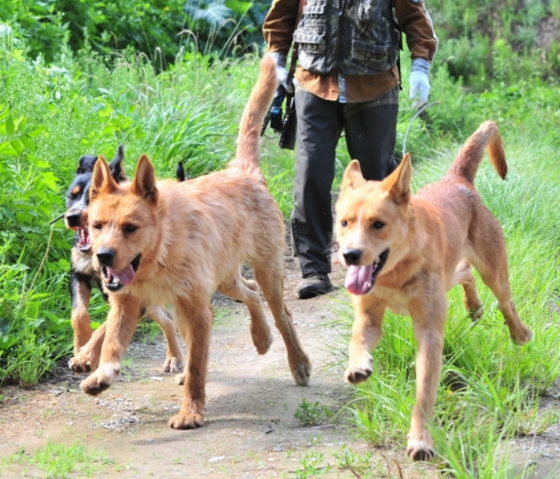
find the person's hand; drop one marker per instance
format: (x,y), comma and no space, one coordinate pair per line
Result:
(419,82)
(281,71)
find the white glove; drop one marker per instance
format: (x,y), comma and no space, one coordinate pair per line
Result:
(419,82)
(281,71)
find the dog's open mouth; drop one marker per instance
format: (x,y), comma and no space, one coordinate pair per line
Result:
(84,243)
(115,280)
(361,279)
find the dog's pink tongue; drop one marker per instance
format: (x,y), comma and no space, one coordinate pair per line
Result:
(358,279)
(126,276)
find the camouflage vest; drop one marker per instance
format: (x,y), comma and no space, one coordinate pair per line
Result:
(352,37)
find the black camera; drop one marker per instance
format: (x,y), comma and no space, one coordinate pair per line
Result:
(284,125)
(275,114)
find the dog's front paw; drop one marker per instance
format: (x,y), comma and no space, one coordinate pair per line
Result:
(186,421)
(101,379)
(420,450)
(173,364)
(360,372)
(83,362)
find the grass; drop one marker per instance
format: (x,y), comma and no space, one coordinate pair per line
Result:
(490,388)
(58,461)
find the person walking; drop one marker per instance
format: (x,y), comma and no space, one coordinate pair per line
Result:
(348,78)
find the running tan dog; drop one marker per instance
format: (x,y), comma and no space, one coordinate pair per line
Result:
(163,242)
(405,252)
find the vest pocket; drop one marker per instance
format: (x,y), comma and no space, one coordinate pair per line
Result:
(368,52)
(311,42)
(314,8)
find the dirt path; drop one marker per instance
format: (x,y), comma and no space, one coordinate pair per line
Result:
(251,431)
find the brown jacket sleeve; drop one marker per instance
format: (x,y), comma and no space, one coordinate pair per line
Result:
(279,25)
(415,22)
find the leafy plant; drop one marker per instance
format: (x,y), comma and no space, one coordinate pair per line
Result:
(162,30)
(312,414)
(311,466)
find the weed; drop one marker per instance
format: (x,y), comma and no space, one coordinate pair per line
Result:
(312,414)
(311,466)
(61,461)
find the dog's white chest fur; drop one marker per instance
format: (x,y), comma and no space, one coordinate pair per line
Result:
(396,302)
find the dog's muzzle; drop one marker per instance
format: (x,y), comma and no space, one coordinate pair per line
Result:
(112,279)
(361,279)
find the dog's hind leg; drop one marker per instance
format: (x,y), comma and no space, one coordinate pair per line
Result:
(490,259)
(463,276)
(244,290)
(195,317)
(269,276)
(174,357)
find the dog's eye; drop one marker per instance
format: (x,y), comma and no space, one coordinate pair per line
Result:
(344,223)
(130,228)
(97,225)
(377,225)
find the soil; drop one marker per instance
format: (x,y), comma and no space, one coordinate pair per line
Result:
(251,430)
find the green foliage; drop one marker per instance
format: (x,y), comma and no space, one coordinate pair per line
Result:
(485,41)
(312,414)
(61,461)
(163,29)
(311,466)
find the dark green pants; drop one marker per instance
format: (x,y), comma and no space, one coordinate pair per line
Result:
(370,131)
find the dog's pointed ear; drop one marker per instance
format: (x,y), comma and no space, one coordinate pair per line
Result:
(144,182)
(101,179)
(353,176)
(86,164)
(116,166)
(397,184)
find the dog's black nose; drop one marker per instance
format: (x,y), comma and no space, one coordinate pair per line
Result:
(74,219)
(106,256)
(352,256)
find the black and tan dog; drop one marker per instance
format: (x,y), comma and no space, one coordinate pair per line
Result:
(83,277)
(404,252)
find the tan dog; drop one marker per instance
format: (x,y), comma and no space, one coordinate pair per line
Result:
(83,276)
(405,252)
(163,242)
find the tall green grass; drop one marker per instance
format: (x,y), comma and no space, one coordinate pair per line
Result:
(490,388)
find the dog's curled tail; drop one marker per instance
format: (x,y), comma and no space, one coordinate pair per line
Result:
(487,136)
(248,143)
